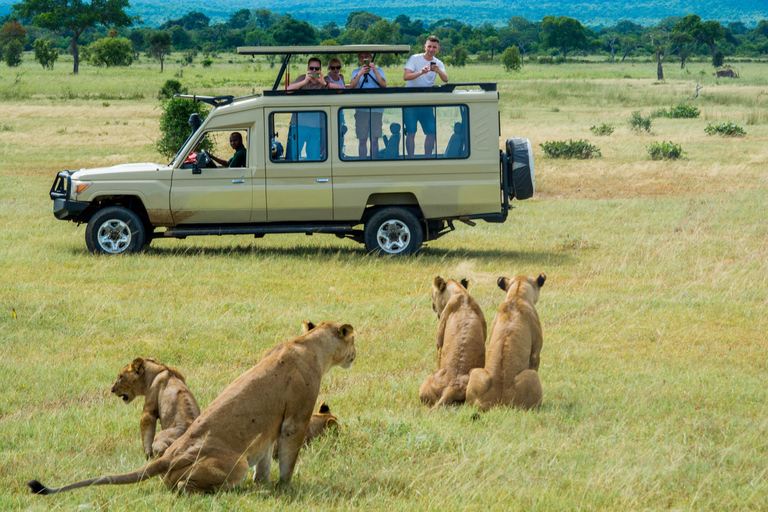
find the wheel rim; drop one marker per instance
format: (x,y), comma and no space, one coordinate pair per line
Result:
(114,236)
(393,236)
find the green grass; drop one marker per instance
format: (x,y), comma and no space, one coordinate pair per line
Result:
(654,310)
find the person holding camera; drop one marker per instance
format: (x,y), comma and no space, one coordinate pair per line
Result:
(422,70)
(313,79)
(368,121)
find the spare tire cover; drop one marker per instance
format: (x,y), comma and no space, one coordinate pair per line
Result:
(521,178)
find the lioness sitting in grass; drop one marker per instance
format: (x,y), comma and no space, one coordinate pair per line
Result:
(460,340)
(318,424)
(272,401)
(510,376)
(167,398)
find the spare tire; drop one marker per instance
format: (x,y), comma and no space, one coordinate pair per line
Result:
(521,181)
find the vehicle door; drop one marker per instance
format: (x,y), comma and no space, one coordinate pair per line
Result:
(215,194)
(299,177)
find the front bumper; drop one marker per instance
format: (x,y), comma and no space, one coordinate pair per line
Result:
(63,207)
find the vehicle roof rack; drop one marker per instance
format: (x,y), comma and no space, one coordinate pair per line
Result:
(289,51)
(216,101)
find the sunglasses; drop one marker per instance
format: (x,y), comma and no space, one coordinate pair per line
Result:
(334,67)
(313,68)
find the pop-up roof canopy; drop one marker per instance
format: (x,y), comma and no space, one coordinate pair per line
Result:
(289,51)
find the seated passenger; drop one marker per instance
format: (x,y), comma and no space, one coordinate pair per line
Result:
(392,143)
(238,159)
(333,76)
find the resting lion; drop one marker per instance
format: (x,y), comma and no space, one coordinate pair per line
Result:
(460,339)
(273,400)
(510,376)
(167,398)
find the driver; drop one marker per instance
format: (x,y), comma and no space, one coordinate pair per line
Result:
(238,159)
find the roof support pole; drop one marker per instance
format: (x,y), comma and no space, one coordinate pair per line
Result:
(282,71)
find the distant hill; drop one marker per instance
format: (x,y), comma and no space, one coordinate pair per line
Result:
(473,12)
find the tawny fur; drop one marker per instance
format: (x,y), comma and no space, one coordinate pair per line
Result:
(460,338)
(272,401)
(510,375)
(167,398)
(322,420)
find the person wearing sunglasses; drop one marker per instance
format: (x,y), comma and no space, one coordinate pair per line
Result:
(313,79)
(333,76)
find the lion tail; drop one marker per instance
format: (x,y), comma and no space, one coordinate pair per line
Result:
(152,469)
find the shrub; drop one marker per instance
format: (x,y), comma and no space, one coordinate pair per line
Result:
(207,62)
(46,53)
(603,129)
(12,53)
(109,52)
(665,150)
(169,88)
(637,122)
(726,129)
(718,58)
(174,124)
(581,149)
(545,59)
(511,59)
(679,112)
(483,56)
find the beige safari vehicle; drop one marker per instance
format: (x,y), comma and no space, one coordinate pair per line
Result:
(390,168)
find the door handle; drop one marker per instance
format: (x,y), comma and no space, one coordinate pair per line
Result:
(322,180)
(238,181)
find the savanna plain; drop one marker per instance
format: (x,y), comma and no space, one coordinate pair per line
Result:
(655,308)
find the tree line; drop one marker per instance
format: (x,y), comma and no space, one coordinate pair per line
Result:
(109,37)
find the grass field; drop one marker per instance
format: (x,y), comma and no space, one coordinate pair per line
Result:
(655,310)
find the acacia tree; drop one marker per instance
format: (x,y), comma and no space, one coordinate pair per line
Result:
(663,42)
(563,33)
(75,16)
(708,33)
(159,45)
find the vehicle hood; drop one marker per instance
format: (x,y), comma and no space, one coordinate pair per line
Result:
(119,172)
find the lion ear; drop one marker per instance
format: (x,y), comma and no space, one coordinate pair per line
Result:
(504,283)
(331,422)
(137,365)
(465,283)
(346,332)
(540,280)
(439,283)
(307,326)
(324,409)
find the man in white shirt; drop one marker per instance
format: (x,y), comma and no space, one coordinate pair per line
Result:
(422,70)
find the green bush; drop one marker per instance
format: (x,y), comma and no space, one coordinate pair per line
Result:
(580,149)
(169,88)
(109,52)
(665,150)
(207,62)
(174,124)
(638,122)
(603,129)
(679,112)
(726,129)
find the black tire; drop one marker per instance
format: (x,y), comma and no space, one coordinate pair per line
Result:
(115,230)
(393,232)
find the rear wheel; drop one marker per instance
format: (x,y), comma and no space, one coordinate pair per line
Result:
(393,232)
(115,230)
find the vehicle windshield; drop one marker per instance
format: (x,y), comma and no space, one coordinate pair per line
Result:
(192,136)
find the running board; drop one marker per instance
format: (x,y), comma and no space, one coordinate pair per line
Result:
(256,230)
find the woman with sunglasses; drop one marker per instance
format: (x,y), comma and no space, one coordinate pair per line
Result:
(313,78)
(333,76)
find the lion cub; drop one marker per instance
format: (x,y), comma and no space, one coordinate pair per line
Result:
(167,398)
(461,332)
(510,376)
(318,424)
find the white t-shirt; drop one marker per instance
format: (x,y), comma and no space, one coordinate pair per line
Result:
(416,63)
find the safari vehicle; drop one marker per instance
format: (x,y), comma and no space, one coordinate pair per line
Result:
(306,171)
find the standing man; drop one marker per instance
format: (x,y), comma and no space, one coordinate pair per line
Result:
(238,160)
(422,70)
(308,126)
(368,121)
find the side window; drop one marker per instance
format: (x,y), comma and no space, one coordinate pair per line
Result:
(298,137)
(223,148)
(377,133)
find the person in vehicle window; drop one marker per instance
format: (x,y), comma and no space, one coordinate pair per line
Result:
(238,159)
(333,76)
(368,121)
(307,128)
(422,70)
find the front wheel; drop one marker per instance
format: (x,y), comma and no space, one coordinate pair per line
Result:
(115,230)
(394,232)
